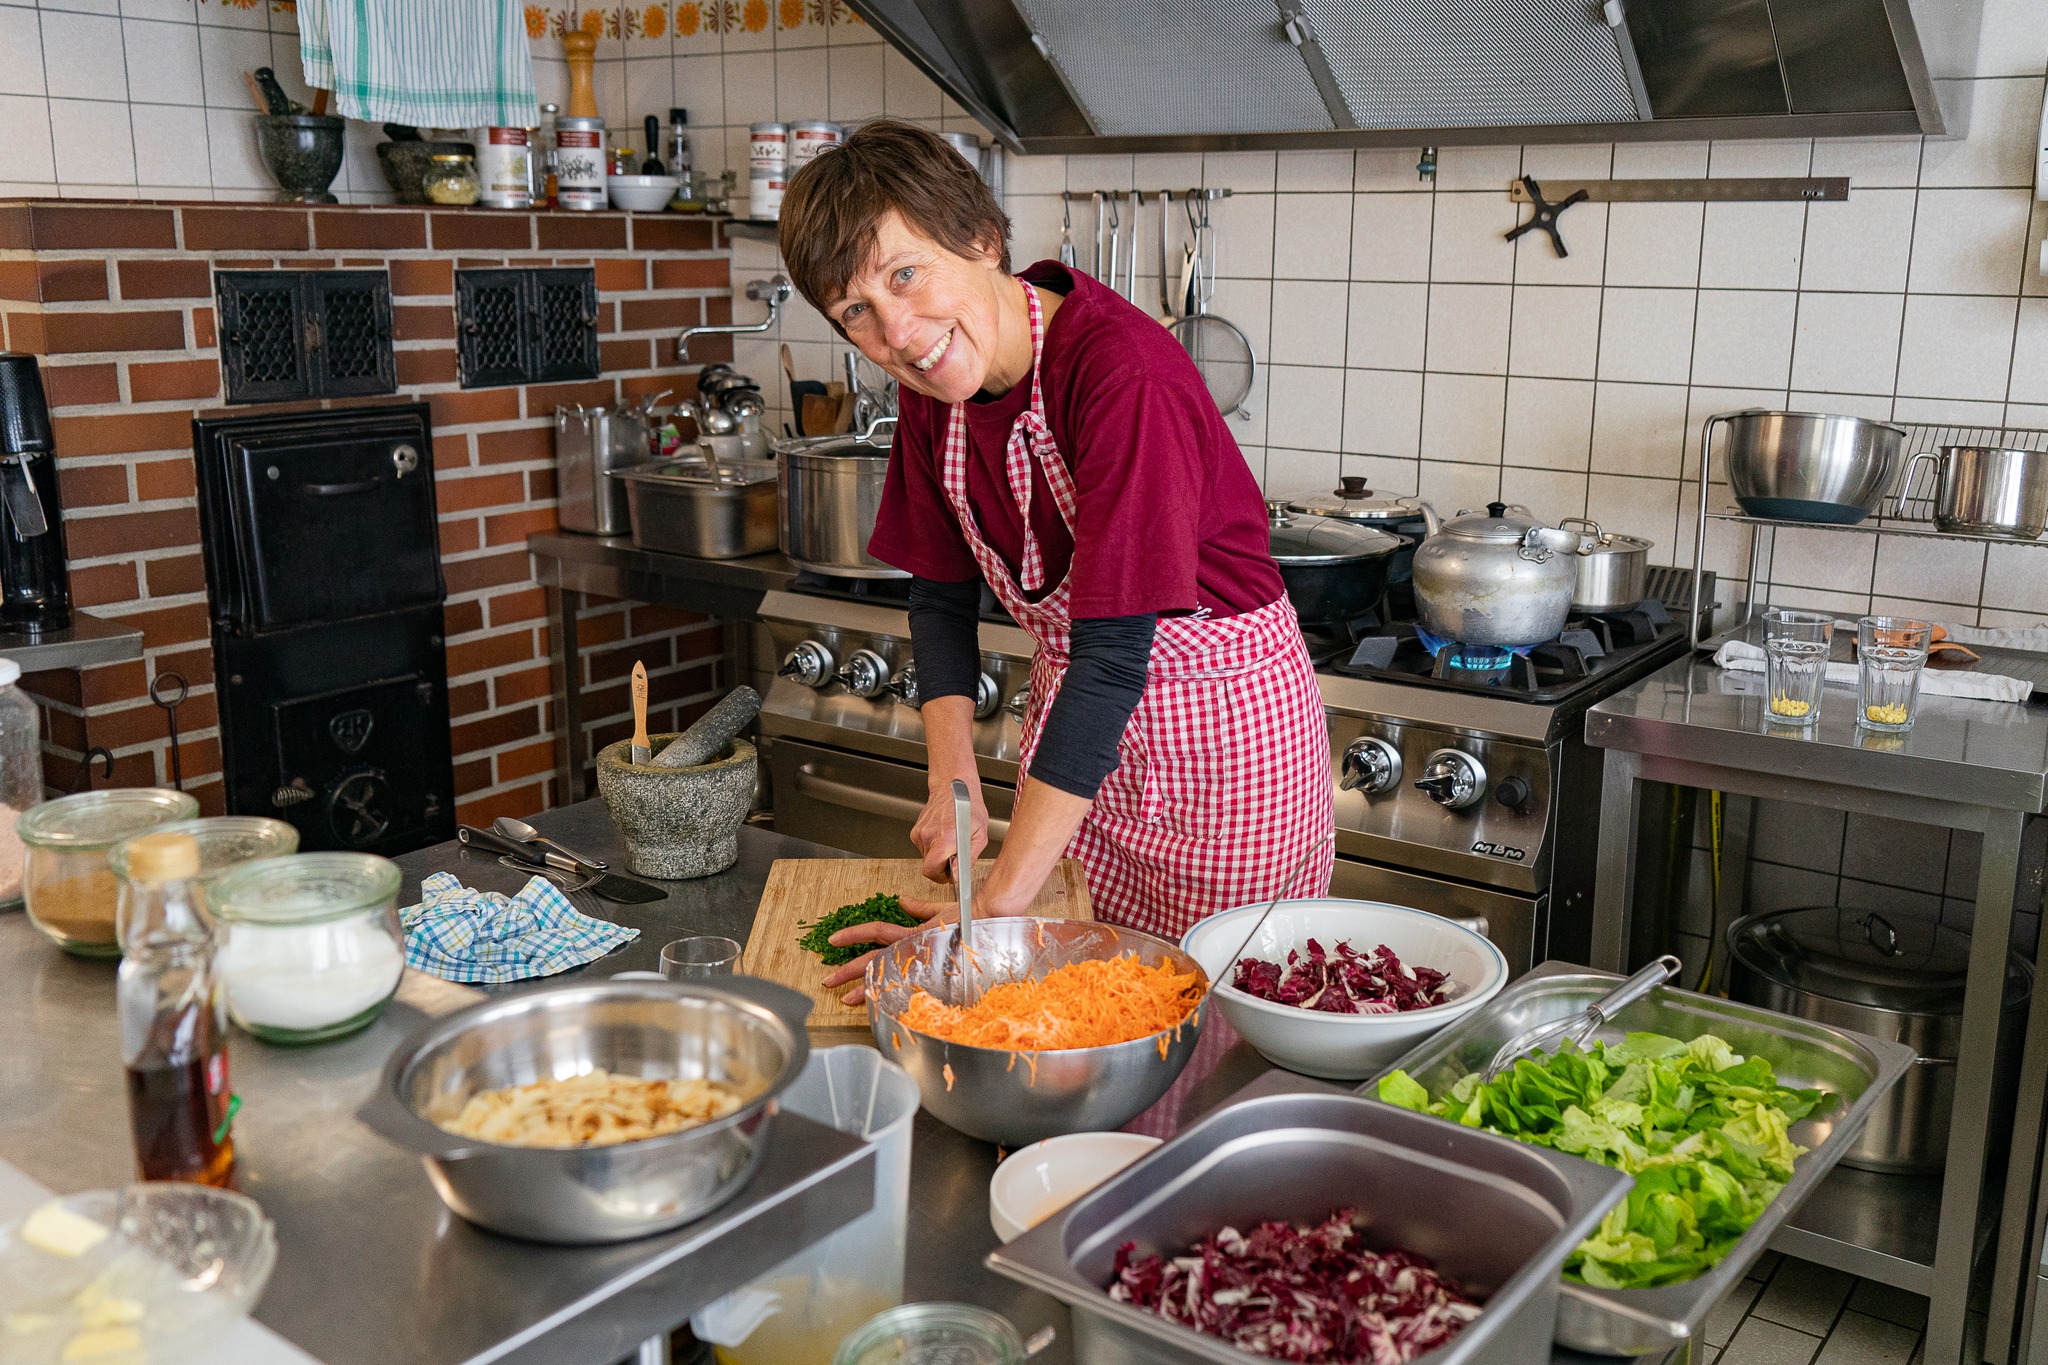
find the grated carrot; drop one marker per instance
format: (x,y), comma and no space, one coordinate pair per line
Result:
(1083,1004)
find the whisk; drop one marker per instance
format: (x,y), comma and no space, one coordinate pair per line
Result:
(1581,1027)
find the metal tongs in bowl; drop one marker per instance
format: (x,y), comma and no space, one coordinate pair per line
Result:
(969,990)
(1580,1028)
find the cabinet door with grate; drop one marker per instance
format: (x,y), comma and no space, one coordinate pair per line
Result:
(352,309)
(263,335)
(565,325)
(490,322)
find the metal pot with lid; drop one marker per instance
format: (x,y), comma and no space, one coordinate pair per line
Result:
(1405,516)
(1335,570)
(1892,976)
(1497,577)
(831,491)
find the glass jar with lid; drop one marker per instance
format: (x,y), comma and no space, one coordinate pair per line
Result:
(451,178)
(70,892)
(225,843)
(312,948)
(956,1333)
(21,773)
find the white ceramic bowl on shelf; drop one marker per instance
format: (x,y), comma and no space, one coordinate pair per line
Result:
(641,193)
(1342,1047)
(1035,1182)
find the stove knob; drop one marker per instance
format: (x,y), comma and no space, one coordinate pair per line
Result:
(1370,765)
(1453,778)
(988,697)
(1020,702)
(866,674)
(810,664)
(1513,792)
(904,686)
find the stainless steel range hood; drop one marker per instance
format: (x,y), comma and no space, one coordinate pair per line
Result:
(1081,76)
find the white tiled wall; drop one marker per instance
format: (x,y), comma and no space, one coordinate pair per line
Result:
(124,99)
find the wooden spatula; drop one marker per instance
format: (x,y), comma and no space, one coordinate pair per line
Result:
(642,749)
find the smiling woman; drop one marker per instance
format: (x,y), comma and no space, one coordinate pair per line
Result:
(1057,444)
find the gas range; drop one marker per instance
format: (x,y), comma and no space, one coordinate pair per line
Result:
(1461,789)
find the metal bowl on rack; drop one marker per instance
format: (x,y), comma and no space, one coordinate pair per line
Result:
(1807,466)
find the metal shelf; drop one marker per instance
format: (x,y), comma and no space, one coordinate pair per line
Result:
(88,642)
(1878,525)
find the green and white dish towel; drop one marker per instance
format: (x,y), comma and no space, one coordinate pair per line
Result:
(428,63)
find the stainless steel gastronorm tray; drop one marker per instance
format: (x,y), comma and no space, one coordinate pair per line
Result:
(1854,1066)
(1498,1216)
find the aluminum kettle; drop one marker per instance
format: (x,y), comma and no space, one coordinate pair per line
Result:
(1497,577)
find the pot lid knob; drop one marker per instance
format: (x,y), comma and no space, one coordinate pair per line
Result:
(1276,512)
(1496,509)
(1353,486)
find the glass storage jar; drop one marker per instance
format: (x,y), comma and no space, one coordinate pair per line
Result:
(69,890)
(451,179)
(225,843)
(21,774)
(312,948)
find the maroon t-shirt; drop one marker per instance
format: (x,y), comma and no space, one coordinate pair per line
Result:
(1169,517)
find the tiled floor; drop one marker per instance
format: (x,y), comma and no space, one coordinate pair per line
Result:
(1792,1312)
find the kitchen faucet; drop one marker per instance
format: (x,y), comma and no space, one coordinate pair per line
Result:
(774,292)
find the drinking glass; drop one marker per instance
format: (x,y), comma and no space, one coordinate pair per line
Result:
(1795,664)
(1891,654)
(700,955)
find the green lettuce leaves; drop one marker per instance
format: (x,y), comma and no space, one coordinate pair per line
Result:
(1704,1131)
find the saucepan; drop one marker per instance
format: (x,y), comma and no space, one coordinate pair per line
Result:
(1613,569)
(1335,570)
(1984,490)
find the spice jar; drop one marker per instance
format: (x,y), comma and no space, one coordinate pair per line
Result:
(313,948)
(21,774)
(69,890)
(225,843)
(451,179)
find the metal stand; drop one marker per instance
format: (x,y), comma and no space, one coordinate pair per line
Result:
(1677,727)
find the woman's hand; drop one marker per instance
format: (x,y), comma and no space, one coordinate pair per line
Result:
(933,835)
(930,911)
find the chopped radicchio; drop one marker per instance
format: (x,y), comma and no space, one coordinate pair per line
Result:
(1309,1294)
(1349,983)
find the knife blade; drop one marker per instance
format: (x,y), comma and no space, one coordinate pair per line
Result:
(610,886)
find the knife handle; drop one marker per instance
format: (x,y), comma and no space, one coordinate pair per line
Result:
(472,837)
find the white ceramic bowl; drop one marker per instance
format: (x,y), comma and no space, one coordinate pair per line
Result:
(641,193)
(1038,1181)
(1342,1047)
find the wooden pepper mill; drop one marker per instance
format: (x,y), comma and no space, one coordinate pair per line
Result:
(580,46)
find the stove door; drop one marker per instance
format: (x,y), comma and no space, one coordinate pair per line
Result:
(350,769)
(861,804)
(1517,925)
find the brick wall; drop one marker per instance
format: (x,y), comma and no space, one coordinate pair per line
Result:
(118,300)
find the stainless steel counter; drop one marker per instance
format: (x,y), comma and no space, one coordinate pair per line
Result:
(1971,765)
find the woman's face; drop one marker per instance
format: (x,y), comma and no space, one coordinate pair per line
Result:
(927,316)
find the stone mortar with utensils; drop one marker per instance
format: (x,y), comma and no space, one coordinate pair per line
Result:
(678,822)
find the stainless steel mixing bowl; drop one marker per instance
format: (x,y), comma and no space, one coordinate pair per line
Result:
(739,1030)
(1014,1098)
(1806,466)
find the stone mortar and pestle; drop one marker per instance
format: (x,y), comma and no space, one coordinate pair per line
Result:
(680,811)
(303,152)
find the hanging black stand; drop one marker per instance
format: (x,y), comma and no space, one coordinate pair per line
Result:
(1544,214)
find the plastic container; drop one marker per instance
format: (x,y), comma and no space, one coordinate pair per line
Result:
(799,1312)
(225,843)
(70,892)
(313,948)
(21,774)
(933,1334)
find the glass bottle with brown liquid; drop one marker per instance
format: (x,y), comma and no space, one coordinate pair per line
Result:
(173,1018)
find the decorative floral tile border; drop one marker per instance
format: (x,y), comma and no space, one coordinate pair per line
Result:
(685,19)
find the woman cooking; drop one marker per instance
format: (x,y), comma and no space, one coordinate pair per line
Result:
(1057,444)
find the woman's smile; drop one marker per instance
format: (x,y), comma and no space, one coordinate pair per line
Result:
(937,353)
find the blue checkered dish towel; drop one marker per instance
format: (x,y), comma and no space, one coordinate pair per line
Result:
(460,934)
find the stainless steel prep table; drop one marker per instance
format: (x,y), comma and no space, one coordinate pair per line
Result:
(1964,765)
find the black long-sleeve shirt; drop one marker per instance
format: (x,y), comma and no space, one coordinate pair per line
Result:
(1108,662)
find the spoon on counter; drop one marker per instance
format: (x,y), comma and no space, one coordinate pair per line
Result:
(520,832)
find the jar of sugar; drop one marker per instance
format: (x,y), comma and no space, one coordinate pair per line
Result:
(312,948)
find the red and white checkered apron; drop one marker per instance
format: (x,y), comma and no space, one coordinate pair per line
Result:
(1223,774)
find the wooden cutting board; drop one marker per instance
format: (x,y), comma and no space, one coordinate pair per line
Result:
(802,889)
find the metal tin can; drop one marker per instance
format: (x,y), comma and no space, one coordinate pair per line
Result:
(579,163)
(764,192)
(768,146)
(502,169)
(806,140)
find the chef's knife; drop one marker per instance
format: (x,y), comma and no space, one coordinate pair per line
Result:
(642,749)
(606,886)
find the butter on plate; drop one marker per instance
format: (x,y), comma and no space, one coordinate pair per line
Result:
(59,1231)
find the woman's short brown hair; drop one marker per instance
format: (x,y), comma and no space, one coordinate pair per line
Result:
(834,205)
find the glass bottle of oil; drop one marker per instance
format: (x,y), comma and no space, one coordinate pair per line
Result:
(173,1017)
